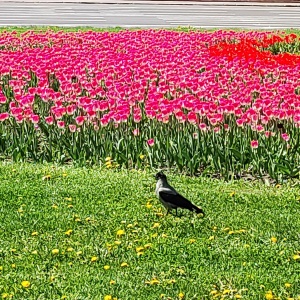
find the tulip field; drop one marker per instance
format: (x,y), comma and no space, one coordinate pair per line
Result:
(219,102)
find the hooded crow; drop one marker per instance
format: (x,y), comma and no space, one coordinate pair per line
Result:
(170,198)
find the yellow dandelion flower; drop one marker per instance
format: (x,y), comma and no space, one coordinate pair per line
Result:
(142,156)
(35,233)
(25,284)
(162,295)
(69,232)
(159,214)
(120,232)
(79,252)
(108,158)
(192,241)
(64,174)
(1,268)
(214,292)
(108,297)
(112,282)
(214,228)
(63,297)
(246,246)
(68,198)
(232,194)
(164,235)
(269,295)
(13,250)
(180,295)
(118,242)
(227,291)
(154,281)
(129,226)
(139,249)
(146,246)
(237,296)
(226,229)
(34,252)
(287,285)
(296,256)
(149,205)
(231,232)
(124,264)
(52,278)
(106,267)
(273,239)
(155,225)
(154,235)
(55,206)
(212,237)
(55,251)
(5,295)
(13,266)
(94,258)
(70,206)
(70,249)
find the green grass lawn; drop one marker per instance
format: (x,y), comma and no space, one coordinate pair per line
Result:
(112,238)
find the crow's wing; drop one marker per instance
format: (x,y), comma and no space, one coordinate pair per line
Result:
(174,199)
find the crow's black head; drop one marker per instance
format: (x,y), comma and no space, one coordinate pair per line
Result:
(160,175)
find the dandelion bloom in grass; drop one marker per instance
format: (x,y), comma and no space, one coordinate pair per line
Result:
(112,282)
(192,241)
(155,225)
(25,284)
(254,144)
(181,295)
(150,142)
(94,258)
(35,233)
(287,285)
(55,251)
(106,267)
(120,232)
(269,295)
(273,239)
(69,232)
(296,256)
(124,264)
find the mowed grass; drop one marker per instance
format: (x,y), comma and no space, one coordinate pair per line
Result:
(112,238)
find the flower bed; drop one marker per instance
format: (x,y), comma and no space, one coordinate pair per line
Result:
(221,102)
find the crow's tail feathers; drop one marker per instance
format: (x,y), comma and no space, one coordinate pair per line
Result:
(197,210)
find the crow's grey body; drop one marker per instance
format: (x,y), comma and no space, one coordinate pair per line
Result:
(170,198)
